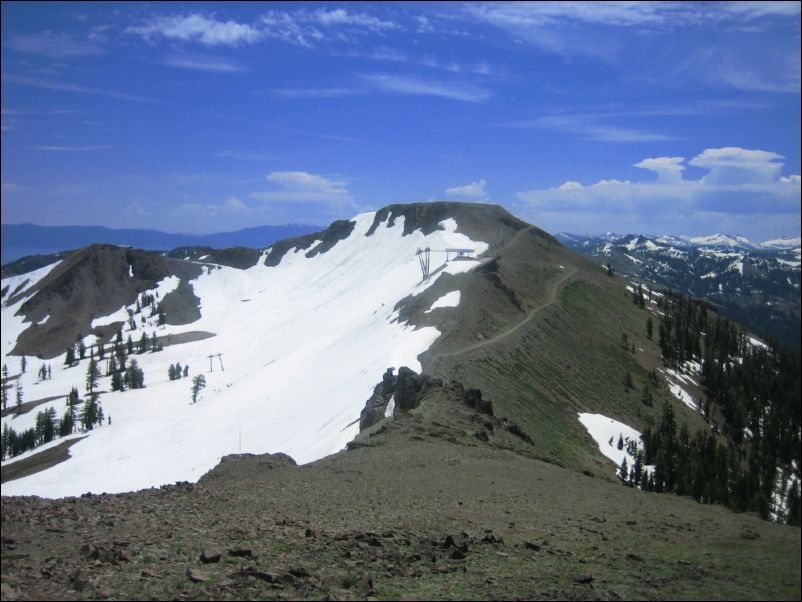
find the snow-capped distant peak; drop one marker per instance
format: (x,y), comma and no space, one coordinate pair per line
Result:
(720,240)
(784,242)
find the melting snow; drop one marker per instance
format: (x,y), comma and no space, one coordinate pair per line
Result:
(448,300)
(300,360)
(12,324)
(606,431)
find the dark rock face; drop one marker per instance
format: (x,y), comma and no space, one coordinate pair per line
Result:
(408,390)
(376,406)
(338,231)
(91,282)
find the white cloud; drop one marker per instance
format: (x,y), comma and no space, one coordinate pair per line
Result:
(307,28)
(199,28)
(235,204)
(473,191)
(415,86)
(303,187)
(668,169)
(741,187)
(733,165)
(339,16)
(228,208)
(202,63)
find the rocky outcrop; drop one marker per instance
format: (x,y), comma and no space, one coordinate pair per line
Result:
(408,389)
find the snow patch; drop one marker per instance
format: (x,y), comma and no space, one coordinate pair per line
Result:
(606,432)
(448,300)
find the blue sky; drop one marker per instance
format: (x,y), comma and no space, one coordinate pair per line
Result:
(679,118)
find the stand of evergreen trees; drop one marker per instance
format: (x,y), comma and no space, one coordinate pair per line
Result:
(49,426)
(755,390)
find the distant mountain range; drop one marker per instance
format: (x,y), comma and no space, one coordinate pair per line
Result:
(21,240)
(756,284)
(711,240)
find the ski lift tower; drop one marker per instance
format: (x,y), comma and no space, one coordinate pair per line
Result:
(423,258)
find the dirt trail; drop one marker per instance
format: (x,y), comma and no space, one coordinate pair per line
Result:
(552,298)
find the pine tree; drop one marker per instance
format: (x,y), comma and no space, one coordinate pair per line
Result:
(70,359)
(171,372)
(81,348)
(609,270)
(4,395)
(19,399)
(186,370)
(620,444)
(178,370)
(129,345)
(117,382)
(23,364)
(623,471)
(198,383)
(649,328)
(92,374)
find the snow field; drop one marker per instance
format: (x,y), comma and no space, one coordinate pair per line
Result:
(303,344)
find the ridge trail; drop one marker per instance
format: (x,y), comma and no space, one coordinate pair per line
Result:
(512,330)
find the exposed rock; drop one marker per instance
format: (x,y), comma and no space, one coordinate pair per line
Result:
(376,405)
(196,575)
(210,555)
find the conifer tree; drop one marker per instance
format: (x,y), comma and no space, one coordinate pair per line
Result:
(623,471)
(649,328)
(198,383)
(92,374)
(186,370)
(19,399)
(70,359)
(23,364)
(117,382)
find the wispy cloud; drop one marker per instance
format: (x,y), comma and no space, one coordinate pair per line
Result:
(196,27)
(399,84)
(74,149)
(52,45)
(304,187)
(47,84)
(203,63)
(315,92)
(590,126)
(393,55)
(634,36)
